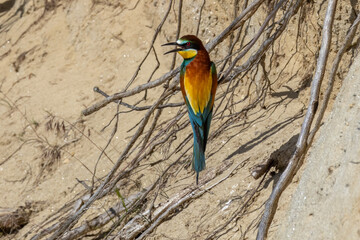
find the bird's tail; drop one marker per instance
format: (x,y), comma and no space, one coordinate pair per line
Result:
(198,161)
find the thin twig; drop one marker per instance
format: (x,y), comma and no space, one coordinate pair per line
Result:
(199,20)
(106,146)
(158,29)
(177,33)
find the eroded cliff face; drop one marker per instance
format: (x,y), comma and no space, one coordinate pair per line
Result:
(326,203)
(52,54)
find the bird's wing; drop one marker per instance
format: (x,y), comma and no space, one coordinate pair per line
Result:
(214,83)
(209,108)
(200,107)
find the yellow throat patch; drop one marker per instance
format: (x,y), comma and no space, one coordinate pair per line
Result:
(186,54)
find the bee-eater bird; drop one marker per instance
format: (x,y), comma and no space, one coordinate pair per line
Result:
(198,82)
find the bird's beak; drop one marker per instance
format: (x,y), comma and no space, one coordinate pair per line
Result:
(174,50)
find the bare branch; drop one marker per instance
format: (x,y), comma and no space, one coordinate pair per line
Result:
(177,32)
(158,29)
(138,89)
(199,20)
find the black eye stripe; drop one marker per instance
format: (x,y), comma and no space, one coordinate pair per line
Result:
(188,45)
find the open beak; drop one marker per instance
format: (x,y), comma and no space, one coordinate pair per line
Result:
(174,50)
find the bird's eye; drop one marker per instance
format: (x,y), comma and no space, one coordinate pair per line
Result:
(188,44)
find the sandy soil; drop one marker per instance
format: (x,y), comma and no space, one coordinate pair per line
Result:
(52,55)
